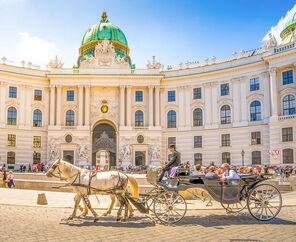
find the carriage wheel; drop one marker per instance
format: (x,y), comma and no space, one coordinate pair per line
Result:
(264,202)
(169,207)
(235,207)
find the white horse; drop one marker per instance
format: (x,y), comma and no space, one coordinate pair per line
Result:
(87,182)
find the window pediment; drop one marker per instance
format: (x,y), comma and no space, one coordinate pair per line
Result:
(288,90)
(255,96)
(13,103)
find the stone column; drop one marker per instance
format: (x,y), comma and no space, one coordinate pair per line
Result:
(150,91)
(128,106)
(157,103)
(29,113)
(87,105)
(181,114)
(188,98)
(59,105)
(273,92)
(80,105)
(122,105)
(52,105)
(2,102)
(243,100)
(266,99)
(23,105)
(214,99)
(208,105)
(236,101)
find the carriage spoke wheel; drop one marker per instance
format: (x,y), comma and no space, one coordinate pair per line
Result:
(169,207)
(235,207)
(264,202)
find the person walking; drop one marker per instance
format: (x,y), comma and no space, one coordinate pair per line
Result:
(4,179)
(10,180)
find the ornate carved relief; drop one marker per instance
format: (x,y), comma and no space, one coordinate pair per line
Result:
(104,57)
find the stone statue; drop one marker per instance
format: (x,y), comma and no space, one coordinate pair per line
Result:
(154,152)
(125,153)
(270,43)
(83,152)
(56,63)
(105,56)
(154,64)
(53,151)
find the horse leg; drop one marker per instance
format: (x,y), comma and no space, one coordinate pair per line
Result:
(77,199)
(119,198)
(85,210)
(113,199)
(126,203)
(131,210)
(87,202)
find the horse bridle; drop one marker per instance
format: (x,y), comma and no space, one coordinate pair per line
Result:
(50,173)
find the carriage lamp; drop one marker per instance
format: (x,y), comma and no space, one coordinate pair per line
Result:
(243,156)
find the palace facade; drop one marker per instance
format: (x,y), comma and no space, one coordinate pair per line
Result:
(104,111)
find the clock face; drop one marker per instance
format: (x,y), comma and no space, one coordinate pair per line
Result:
(104,108)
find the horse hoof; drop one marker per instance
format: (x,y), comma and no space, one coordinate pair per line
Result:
(105,214)
(70,218)
(96,220)
(131,215)
(118,219)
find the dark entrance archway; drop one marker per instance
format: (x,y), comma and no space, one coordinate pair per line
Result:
(104,138)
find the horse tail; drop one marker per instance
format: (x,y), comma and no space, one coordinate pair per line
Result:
(134,186)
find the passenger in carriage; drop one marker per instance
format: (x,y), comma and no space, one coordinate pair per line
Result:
(229,173)
(211,175)
(198,171)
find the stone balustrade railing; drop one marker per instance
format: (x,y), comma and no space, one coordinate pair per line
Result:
(282,48)
(287,117)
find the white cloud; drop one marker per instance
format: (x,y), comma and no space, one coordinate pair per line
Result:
(35,49)
(276,29)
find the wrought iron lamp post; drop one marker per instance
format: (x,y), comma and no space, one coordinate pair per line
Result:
(243,157)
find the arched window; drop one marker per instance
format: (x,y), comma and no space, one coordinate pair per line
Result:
(172,117)
(11,116)
(197,117)
(289,105)
(37,118)
(226,157)
(11,157)
(255,111)
(225,114)
(36,157)
(256,158)
(288,156)
(70,118)
(139,118)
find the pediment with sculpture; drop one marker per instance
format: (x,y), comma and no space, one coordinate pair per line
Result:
(105,57)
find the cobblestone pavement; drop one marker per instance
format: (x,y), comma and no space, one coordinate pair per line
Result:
(21,223)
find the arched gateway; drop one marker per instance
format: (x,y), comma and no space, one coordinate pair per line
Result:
(104,145)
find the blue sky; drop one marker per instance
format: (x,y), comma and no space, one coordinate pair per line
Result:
(173,30)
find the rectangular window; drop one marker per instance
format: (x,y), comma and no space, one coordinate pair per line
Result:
(37,141)
(197,141)
(198,159)
(254,84)
(287,134)
(11,140)
(12,92)
(225,138)
(38,95)
(171,96)
(171,141)
(139,96)
(197,93)
(224,89)
(256,138)
(287,77)
(70,95)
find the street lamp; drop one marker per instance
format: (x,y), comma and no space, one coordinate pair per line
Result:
(243,157)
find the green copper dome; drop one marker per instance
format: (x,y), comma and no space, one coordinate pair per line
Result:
(99,32)
(288,29)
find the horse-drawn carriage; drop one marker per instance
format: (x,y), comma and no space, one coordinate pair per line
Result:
(255,192)
(262,199)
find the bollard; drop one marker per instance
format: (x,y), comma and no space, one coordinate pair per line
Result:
(41,199)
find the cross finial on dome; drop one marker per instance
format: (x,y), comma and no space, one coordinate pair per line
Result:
(104,17)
